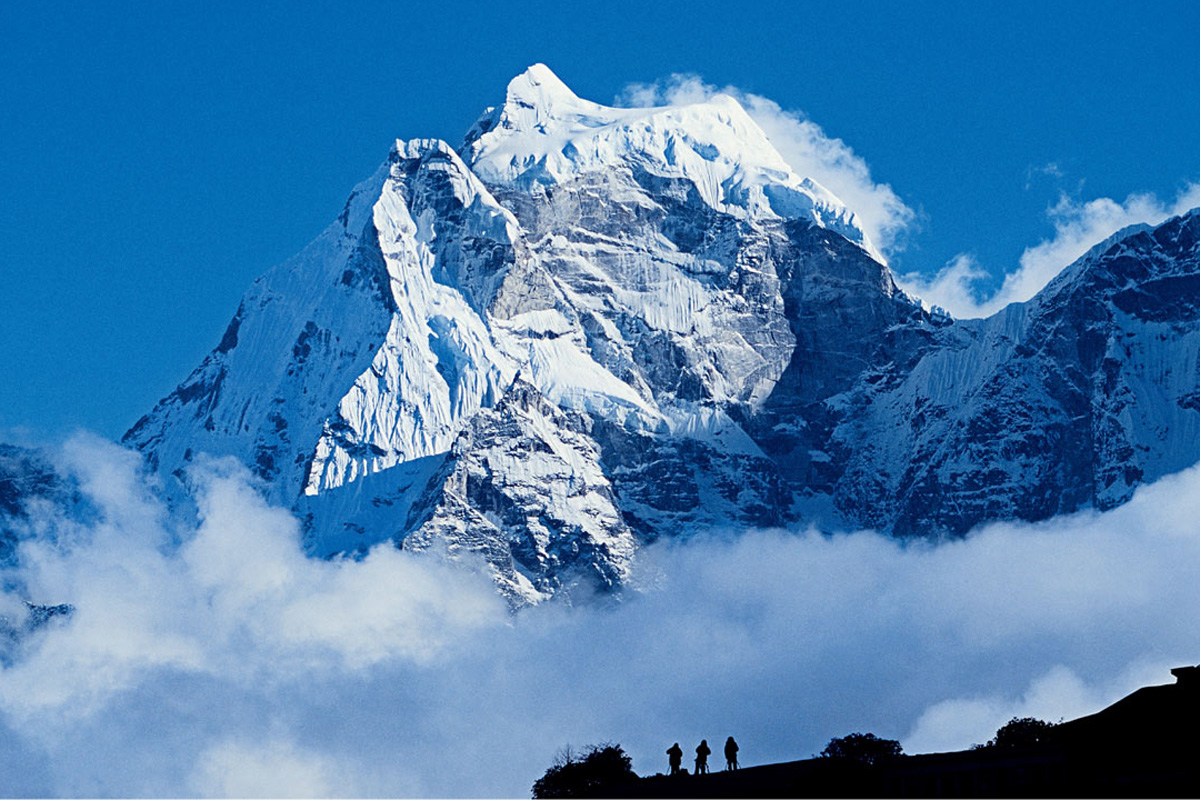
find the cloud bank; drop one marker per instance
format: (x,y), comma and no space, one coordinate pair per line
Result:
(806,148)
(216,660)
(1078,226)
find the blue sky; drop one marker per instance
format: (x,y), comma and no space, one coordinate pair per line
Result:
(157,157)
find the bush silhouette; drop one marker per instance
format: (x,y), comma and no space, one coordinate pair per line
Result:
(1021,732)
(601,765)
(866,749)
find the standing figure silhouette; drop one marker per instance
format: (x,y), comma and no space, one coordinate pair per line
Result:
(702,752)
(675,754)
(731,749)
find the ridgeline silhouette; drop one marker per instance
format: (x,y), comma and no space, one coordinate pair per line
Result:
(1144,745)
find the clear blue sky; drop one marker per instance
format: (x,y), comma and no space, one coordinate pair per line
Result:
(158,156)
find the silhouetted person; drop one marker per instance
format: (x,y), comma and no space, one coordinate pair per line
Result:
(702,752)
(675,754)
(731,749)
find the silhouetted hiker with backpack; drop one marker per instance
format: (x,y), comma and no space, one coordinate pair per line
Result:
(702,752)
(731,749)
(676,756)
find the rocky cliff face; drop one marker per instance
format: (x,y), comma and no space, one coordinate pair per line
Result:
(589,327)
(522,486)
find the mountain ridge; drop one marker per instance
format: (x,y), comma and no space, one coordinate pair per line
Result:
(588,328)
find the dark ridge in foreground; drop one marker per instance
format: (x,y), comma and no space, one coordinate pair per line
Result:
(1145,745)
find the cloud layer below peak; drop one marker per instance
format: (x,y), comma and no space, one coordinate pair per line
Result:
(215,659)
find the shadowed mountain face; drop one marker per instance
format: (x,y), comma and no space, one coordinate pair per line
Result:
(589,327)
(1069,400)
(24,478)
(28,481)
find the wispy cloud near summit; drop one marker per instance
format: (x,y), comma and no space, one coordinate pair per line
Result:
(889,221)
(807,149)
(1078,226)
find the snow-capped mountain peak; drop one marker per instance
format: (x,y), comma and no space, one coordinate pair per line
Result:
(703,337)
(537,93)
(545,135)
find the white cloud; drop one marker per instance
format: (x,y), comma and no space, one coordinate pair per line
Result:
(806,148)
(218,660)
(1050,170)
(954,287)
(238,585)
(1078,226)
(275,768)
(1057,695)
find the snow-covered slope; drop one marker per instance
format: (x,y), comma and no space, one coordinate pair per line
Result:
(702,338)
(1069,400)
(302,335)
(523,488)
(545,136)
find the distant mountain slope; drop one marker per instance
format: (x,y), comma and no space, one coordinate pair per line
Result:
(1069,400)
(28,481)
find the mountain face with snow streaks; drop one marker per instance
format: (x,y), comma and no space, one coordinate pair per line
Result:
(1069,400)
(590,327)
(522,487)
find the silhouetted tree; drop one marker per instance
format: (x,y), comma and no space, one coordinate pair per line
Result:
(1021,732)
(863,748)
(571,775)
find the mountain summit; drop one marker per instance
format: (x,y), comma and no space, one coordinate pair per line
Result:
(589,327)
(545,135)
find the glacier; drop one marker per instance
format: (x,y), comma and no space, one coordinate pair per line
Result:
(586,328)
